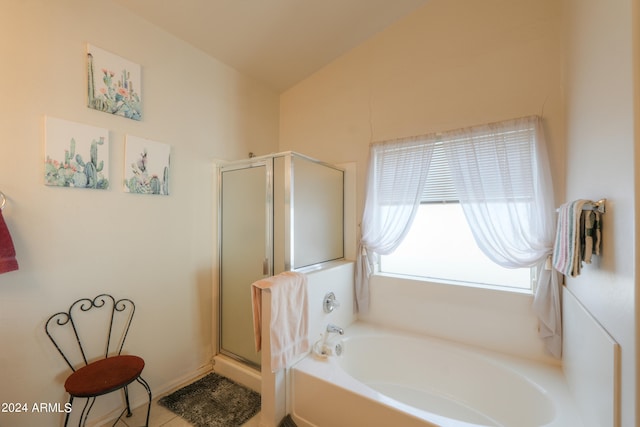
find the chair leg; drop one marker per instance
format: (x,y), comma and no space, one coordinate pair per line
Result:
(146,386)
(66,417)
(126,399)
(85,411)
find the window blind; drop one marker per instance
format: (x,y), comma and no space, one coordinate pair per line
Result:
(505,160)
(503,164)
(439,187)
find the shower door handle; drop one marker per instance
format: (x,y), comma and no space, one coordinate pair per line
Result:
(265,267)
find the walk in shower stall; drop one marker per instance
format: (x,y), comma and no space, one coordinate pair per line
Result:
(277,213)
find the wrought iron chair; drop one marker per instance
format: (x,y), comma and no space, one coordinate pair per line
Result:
(92,334)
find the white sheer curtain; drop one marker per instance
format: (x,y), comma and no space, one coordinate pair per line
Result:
(396,176)
(502,177)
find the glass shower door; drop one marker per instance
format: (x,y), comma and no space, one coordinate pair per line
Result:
(245,253)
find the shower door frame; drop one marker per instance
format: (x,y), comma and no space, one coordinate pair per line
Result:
(267,163)
(280,221)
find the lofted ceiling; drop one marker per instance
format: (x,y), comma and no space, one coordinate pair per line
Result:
(278,42)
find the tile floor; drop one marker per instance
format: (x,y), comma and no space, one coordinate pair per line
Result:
(162,417)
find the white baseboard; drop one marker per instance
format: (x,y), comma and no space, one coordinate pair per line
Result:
(178,383)
(238,372)
(157,392)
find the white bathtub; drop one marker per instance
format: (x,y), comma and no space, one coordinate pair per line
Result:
(389,378)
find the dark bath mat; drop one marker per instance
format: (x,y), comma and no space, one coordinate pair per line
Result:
(213,401)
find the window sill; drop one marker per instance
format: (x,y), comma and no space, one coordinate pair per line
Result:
(469,285)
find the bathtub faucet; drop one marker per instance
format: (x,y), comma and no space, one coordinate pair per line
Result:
(333,328)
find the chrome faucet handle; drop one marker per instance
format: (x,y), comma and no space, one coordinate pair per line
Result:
(333,328)
(330,302)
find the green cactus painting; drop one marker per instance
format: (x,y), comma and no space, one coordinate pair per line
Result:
(147,166)
(76,155)
(114,84)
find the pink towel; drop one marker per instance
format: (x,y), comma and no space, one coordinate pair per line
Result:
(8,260)
(289,324)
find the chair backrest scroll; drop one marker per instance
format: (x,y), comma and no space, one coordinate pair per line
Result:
(91,329)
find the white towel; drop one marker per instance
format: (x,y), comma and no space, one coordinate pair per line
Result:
(289,324)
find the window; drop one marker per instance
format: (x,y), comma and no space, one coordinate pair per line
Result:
(440,245)
(503,185)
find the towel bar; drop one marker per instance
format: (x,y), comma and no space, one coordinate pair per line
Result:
(3,200)
(593,206)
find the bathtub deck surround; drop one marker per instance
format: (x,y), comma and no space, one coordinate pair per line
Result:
(275,387)
(289,320)
(389,377)
(485,318)
(591,364)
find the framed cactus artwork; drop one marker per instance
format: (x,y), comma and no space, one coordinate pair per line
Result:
(147,164)
(114,84)
(76,155)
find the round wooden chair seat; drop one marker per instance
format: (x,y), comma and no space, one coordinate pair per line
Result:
(104,376)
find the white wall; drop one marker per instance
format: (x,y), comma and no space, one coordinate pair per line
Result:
(74,243)
(448,65)
(600,126)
